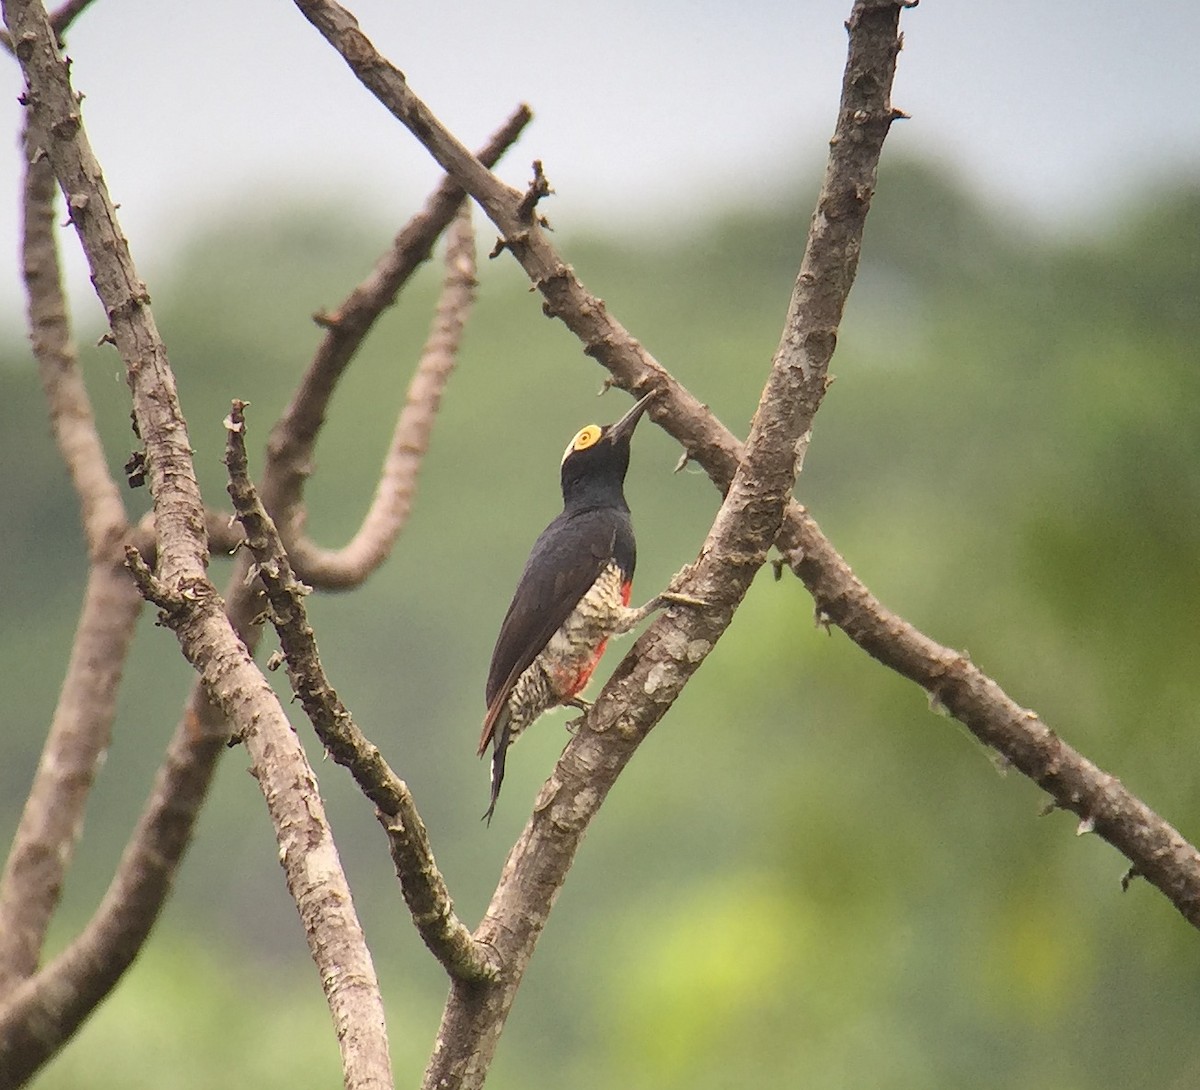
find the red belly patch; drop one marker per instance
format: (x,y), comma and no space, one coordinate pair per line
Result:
(571,682)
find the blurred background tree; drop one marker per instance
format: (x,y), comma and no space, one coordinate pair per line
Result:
(805,878)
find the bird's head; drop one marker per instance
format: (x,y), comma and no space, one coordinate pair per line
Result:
(596,460)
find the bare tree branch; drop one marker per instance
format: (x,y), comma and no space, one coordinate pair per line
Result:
(292,440)
(43,1011)
(41,1014)
(54,110)
(653,674)
(220,528)
(36,1020)
(1154,848)
(37,1017)
(308,854)
(199,740)
(60,19)
(650,678)
(193,609)
(389,511)
(52,819)
(193,766)
(422,883)
(957,686)
(104,517)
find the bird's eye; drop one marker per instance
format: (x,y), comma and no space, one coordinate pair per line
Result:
(586,437)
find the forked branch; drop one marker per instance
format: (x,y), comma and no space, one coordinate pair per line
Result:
(60,19)
(653,674)
(293,439)
(312,869)
(422,883)
(188,601)
(390,508)
(1155,849)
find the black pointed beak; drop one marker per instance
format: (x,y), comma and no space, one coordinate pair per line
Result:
(622,430)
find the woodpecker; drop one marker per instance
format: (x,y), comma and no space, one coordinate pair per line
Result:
(572,596)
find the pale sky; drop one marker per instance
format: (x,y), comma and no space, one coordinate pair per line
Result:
(644,111)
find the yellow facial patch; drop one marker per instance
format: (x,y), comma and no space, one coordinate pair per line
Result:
(584,438)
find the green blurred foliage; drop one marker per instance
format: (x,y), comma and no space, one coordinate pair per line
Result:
(806,877)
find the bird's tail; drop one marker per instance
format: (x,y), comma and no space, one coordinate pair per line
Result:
(500,742)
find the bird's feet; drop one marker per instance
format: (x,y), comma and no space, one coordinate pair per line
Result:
(673,598)
(584,706)
(634,617)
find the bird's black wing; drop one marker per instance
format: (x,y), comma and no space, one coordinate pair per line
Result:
(565,561)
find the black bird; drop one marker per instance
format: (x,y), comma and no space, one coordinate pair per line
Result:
(573,594)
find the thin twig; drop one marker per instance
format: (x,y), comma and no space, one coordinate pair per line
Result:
(389,511)
(293,438)
(422,883)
